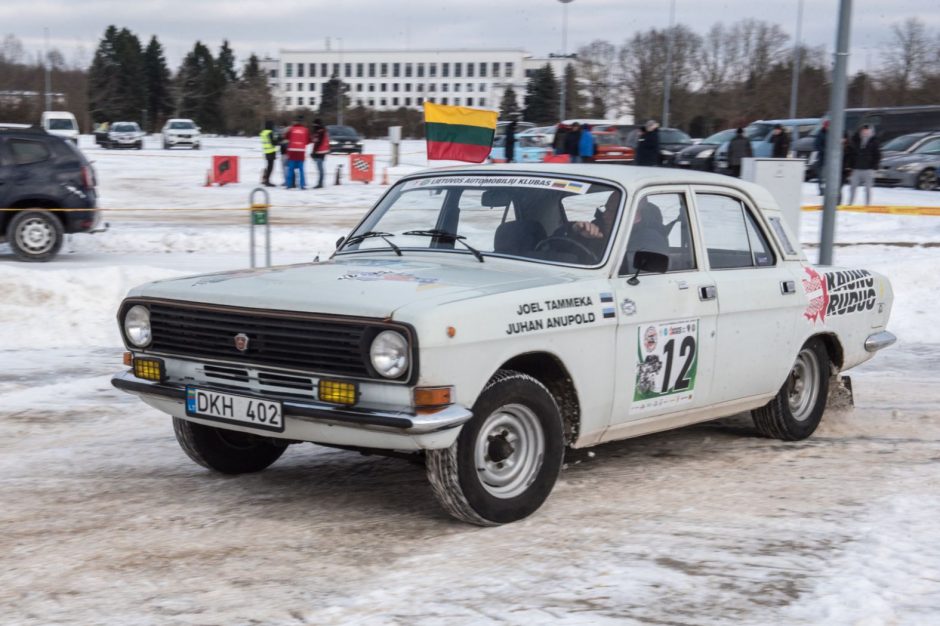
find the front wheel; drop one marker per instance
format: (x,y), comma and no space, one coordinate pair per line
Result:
(797,409)
(35,235)
(926,180)
(226,451)
(507,458)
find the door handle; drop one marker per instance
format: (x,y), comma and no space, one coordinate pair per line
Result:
(707,292)
(787,287)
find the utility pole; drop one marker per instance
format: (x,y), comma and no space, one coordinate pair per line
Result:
(667,81)
(564,55)
(48,72)
(833,165)
(795,84)
(339,87)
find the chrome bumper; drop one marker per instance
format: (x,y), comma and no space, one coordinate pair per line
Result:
(879,340)
(403,421)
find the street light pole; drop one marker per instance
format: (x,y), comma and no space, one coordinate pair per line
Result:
(795,83)
(564,56)
(667,81)
(339,87)
(48,72)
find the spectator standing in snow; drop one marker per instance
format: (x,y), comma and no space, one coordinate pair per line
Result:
(647,145)
(321,148)
(297,137)
(510,142)
(586,145)
(572,141)
(269,148)
(866,158)
(819,145)
(780,142)
(739,148)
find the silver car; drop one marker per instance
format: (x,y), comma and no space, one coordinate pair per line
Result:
(917,169)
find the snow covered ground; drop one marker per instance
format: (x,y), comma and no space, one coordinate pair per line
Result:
(103,520)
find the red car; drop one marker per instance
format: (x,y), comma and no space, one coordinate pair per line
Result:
(609,148)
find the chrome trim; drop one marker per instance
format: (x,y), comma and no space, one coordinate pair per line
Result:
(400,421)
(879,340)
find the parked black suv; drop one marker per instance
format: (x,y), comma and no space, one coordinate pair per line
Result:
(40,172)
(344,139)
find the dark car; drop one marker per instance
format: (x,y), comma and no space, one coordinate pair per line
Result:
(39,172)
(701,156)
(344,139)
(906,144)
(671,142)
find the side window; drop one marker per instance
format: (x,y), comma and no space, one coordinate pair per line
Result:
(661,224)
(26,151)
(732,238)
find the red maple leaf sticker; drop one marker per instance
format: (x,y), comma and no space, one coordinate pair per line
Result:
(818,294)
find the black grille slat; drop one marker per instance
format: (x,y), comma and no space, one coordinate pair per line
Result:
(315,344)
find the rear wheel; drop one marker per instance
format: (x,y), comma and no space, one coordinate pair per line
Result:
(797,409)
(926,180)
(507,458)
(35,235)
(226,451)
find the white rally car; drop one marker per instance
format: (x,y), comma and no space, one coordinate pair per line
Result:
(491,316)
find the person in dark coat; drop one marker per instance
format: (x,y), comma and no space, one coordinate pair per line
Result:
(510,142)
(819,146)
(780,142)
(866,158)
(647,145)
(572,143)
(739,148)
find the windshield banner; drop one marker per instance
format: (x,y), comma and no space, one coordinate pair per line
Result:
(559,184)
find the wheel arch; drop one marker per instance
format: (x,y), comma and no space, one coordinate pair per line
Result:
(834,348)
(30,203)
(549,370)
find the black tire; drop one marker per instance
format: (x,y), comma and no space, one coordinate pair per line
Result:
(198,146)
(790,416)
(35,235)
(140,146)
(530,432)
(226,451)
(166,146)
(926,180)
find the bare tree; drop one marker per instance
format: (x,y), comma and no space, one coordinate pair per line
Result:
(906,60)
(595,66)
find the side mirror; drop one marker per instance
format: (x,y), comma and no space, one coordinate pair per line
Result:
(340,241)
(650,262)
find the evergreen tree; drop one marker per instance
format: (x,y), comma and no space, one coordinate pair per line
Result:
(574,99)
(201,86)
(247,102)
(541,97)
(117,88)
(328,102)
(509,105)
(159,98)
(226,62)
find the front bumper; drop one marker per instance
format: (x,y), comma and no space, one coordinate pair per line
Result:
(895,178)
(182,140)
(879,341)
(397,429)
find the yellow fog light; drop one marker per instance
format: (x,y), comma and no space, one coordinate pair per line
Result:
(149,369)
(338,392)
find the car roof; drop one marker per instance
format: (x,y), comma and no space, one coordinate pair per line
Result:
(790,121)
(632,177)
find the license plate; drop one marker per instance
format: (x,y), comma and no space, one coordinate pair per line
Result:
(722,164)
(233,409)
(684,162)
(615,153)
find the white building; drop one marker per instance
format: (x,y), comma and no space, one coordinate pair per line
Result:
(389,79)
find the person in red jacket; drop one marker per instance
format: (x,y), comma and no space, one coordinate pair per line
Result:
(321,147)
(297,137)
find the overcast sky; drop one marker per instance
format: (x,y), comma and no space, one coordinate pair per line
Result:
(264,26)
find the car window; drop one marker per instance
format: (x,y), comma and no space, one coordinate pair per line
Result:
(124,128)
(182,125)
(902,143)
(720,137)
(929,147)
(26,151)
(61,124)
(661,224)
(757,132)
(674,136)
(731,236)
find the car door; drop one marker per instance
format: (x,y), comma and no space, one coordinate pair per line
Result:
(757,297)
(6,178)
(666,322)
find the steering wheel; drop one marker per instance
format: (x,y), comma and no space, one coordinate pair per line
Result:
(574,243)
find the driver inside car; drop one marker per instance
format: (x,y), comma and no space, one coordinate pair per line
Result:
(596,232)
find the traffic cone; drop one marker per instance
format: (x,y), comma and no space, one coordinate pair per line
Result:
(385,176)
(208,178)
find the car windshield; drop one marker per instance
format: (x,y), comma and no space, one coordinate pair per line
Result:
(182,125)
(342,131)
(931,147)
(607,139)
(673,136)
(540,218)
(720,137)
(902,143)
(124,128)
(61,124)
(757,132)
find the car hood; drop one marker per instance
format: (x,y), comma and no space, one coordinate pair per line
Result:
(902,159)
(358,285)
(693,150)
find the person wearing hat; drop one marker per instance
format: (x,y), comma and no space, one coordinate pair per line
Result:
(647,145)
(739,148)
(780,142)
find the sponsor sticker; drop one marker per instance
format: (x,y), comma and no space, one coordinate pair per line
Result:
(389,276)
(538,182)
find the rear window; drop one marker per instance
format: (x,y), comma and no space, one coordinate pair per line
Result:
(26,151)
(61,124)
(124,128)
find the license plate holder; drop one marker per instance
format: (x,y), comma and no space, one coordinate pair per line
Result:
(235,409)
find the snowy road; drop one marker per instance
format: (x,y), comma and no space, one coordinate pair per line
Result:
(103,520)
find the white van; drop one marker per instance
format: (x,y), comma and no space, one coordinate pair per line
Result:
(61,123)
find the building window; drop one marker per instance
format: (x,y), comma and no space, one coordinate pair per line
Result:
(530,73)
(287,101)
(371,102)
(407,102)
(407,86)
(311,101)
(396,70)
(470,67)
(432,87)
(383,102)
(420,70)
(509,71)
(483,87)
(324,70)
(300,86)
(482,70)
(432,70)
(419,87)
(335,73)
(458,68)
(456,86)
(420,101)
(288,86)
(383,70)
(371,86)
(445,70)
(300,70)
(312,70)
(495,70)
(347,71)
(384,87)
(394,86)
(359,87)
(444,86)
(359,68)
(395,102)
(288,70)
(443,100)
(273,73)
(371,70)
(482,102)
(312,86)
(407,70)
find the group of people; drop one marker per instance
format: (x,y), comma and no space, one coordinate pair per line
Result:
(292,146)
(861,158)
(739,148)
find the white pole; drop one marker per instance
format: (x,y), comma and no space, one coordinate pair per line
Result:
(339,87)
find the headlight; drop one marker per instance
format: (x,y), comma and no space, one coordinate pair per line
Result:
(704,154)
(668,152)
(910,167)
(333,142)
(137,326)
(389,354)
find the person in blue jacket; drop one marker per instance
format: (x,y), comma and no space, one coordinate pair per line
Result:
(586,145)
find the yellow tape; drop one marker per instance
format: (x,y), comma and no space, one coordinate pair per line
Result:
(881,208)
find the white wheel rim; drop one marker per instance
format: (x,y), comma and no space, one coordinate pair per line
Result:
(509,450)
(35,235)
(803,385)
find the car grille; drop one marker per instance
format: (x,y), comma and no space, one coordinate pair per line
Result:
(292,342)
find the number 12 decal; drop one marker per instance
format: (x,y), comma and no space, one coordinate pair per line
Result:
(667,363)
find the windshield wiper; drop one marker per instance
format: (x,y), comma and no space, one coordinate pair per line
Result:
(369,235)
(443,234)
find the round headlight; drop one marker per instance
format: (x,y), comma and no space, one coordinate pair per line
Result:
(137,325)
(704,154)
(389,354)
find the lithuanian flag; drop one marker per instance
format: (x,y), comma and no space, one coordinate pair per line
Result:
(458,133)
